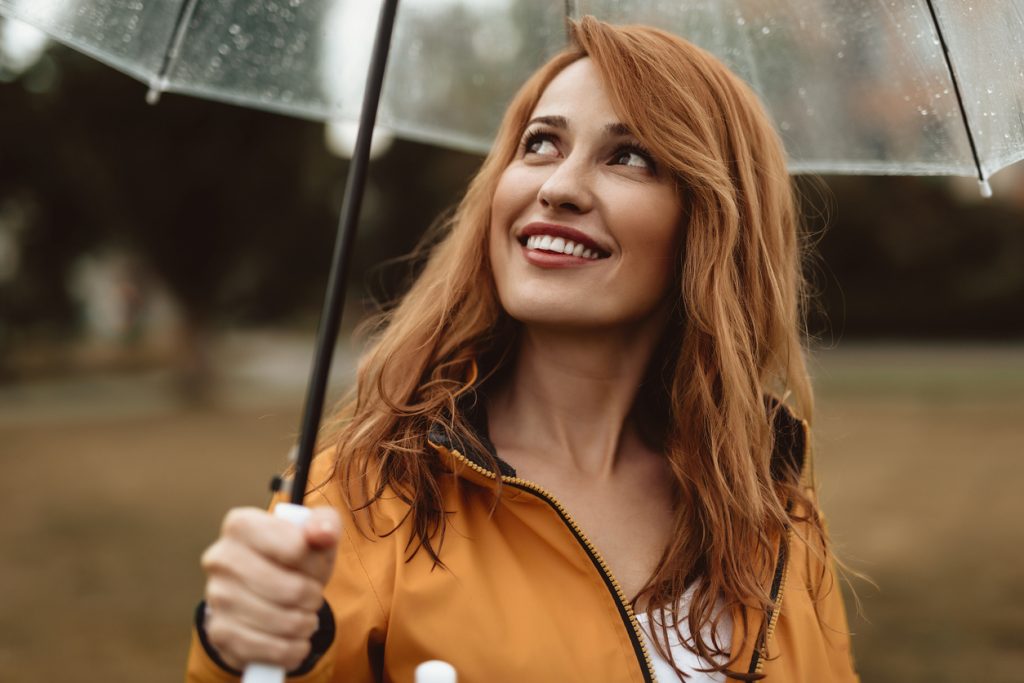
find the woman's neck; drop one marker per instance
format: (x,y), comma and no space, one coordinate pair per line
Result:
(569,395)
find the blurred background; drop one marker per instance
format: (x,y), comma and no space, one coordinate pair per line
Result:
(161,271)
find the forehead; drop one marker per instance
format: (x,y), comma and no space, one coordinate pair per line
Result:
(579,94)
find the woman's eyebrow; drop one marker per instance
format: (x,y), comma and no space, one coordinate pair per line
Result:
(561,122)
(553,121)
(619,130)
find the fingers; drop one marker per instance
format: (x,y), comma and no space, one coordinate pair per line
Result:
(310,549)
(241,565)
(277,539)
(225,598)
(239,644)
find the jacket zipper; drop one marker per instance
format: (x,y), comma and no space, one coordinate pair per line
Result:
(625,609)
(778,589)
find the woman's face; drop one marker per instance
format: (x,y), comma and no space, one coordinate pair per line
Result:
(581,183)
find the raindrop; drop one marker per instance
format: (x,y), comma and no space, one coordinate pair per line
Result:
(234,29)
(223,49)
(840,55)
(988,90)
(741,21)
(802,92)
(784,125)
(765,30)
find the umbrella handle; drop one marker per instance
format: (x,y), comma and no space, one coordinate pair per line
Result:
(435,671)
(266,673)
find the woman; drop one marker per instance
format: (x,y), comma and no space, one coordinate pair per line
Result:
(563,461)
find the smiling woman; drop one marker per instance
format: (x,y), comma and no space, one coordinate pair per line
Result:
(572,452)
(582,180)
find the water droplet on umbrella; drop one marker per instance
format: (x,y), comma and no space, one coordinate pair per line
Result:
(234,29)
(765,30)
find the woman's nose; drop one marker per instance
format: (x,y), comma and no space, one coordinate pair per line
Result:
(568,187)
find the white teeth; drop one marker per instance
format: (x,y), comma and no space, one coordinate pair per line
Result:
(560,245)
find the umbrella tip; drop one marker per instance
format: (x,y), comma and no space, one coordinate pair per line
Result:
(153,96)
(986,189)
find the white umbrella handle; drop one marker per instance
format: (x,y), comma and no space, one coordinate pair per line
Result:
(266,673)
(435,671)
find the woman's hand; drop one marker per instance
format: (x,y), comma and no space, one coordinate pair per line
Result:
(265,583)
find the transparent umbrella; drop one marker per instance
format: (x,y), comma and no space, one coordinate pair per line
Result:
(873,86)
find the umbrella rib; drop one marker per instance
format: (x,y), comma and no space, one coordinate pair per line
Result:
(985,189)
(159,83)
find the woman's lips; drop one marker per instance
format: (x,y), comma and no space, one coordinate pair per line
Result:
(564,233)
(550,259)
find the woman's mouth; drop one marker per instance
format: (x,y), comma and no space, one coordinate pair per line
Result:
(560,246)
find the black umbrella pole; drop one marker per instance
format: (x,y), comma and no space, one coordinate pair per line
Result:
(330,318)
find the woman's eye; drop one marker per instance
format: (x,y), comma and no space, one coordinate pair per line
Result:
(634,158)
(541,145)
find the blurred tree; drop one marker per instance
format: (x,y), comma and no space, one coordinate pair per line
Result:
(909,259)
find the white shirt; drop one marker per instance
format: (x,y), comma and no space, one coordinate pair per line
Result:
(685,659)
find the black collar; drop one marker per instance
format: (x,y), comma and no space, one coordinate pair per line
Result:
(788,456)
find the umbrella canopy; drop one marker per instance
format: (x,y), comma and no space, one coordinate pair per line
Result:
(874,86)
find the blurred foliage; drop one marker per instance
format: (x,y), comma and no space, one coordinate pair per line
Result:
(918,257)
(235,211)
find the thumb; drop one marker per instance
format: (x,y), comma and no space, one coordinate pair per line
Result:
(323,528)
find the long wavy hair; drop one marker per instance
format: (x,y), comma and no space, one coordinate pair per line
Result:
(734,339)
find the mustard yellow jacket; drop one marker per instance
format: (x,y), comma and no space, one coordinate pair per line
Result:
(527,598)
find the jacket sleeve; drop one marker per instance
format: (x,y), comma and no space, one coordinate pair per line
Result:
(355,603)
